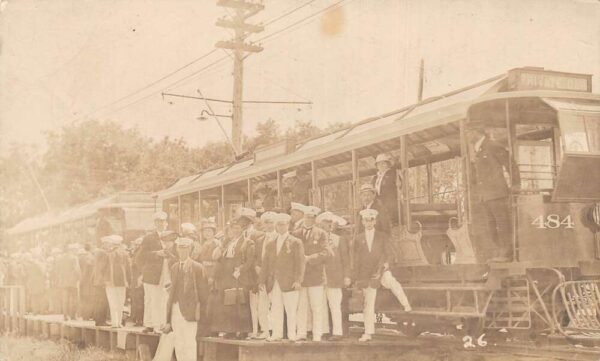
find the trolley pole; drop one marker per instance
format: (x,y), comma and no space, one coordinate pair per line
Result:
(243,10)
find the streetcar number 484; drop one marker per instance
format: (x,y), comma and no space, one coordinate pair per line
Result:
(553,221)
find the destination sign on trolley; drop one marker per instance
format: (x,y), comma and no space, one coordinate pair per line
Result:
(540,79)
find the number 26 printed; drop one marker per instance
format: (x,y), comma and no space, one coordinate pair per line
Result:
(553,221)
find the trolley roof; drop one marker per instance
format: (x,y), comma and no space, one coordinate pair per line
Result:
(431,112)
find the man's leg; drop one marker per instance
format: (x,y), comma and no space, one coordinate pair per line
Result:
(290,303)
(263,312)
(325,329)
(111,297)
(148,295)
(370,295)
(388,281)
(315,297)
(120,294)
(301,314)
(253,300)
(159,311)
(184,333)
(334,300)
(499,211)
(277,310)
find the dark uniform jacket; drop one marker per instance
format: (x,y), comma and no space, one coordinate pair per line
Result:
(205,256)
(383,220)
(368,265)
(337,266)
(285,267)
(150,263)
(388,193)
(116,269)
(189,289)
(314,241)
(243,258)
(68,273)
(488,174)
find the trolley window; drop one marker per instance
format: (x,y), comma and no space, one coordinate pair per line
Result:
(580,131)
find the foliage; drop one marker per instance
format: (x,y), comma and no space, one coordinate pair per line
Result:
(94,158)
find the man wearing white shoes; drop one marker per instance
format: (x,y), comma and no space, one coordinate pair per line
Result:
(371,270)
(337,272)
(311,294)
(281,275)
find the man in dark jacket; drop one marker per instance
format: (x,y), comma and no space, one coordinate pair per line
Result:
(187,299)
(371,269)
(314,241)
(68,274)
(281,276)
(385,184)
(368,200)
(152,258)
(490,160)
(337,272)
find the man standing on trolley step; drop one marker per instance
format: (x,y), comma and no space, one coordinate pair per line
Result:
(152,259)
(385,186)
(281,276)
(490,160)
(371,270)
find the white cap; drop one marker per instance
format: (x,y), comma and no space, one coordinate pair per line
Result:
(268,216)
(369,213)
(188,228)
(106,239)
(160,215)
(383,157)
(331,217)
(247,212)
(298,207)
(312,211)
(367,187)
(183,242)
(282,217)
(138,240)
(116,239)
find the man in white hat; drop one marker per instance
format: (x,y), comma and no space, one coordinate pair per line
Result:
(314,241)
(337,272)
(251,233)
(369,200)
(281,276)
(153,258)
(186,303)
(371,269)
(117,279)
(385,183)
(297,216)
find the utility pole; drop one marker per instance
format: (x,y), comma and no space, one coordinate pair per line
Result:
(243,10)
(421,80)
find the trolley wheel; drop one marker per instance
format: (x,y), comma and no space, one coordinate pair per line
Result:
(143,353)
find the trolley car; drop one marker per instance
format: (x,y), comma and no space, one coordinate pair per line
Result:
(550,123)
(128,214)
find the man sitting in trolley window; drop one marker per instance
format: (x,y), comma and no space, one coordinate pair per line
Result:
(490,160)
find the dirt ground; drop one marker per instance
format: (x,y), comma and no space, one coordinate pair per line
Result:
(14,348)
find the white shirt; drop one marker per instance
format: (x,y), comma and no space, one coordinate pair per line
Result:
(230,252)
(280,239)
(477,145)
(378,181)
(369,235)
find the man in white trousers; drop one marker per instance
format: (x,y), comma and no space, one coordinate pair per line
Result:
(310,302)
(371,270)
(337,273)
(118,278)
(281,276)
(187,299)
(152,258)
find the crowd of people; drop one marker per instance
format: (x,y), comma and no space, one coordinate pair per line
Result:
(269,275)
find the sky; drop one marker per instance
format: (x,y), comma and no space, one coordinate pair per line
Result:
(65,61)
